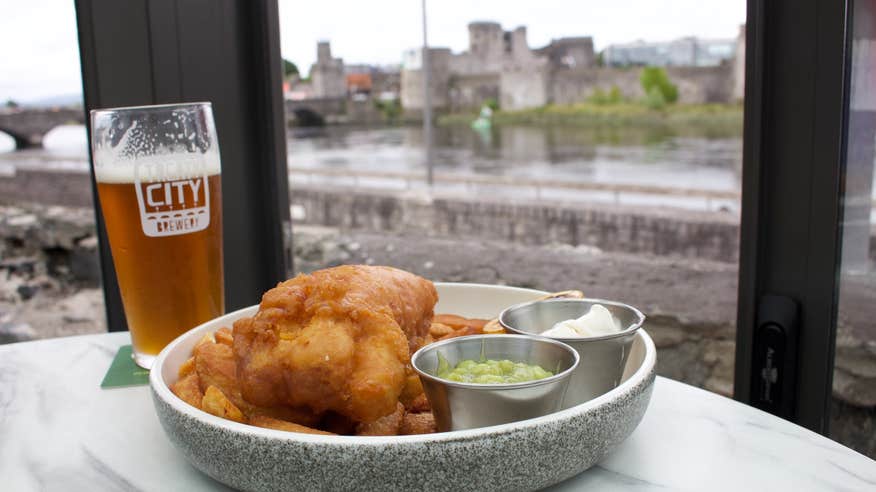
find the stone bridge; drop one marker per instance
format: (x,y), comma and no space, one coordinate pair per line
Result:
(28,126)
(314,112)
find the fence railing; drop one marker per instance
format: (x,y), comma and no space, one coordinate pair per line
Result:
(410,179)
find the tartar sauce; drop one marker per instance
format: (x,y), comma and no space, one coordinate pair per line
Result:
(596,322)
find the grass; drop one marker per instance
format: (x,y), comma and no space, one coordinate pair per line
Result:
(713,120)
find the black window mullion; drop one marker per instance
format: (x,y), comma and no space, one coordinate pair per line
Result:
(792,168)
(222,51)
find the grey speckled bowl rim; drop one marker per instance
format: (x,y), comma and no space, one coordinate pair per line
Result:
(162,391)
(626,331)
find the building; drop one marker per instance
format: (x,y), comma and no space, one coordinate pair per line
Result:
(499,65)
(682,52)
(327,74)
(574,52)
(379,81)
(359,83)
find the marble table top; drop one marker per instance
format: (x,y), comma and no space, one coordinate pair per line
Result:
(60,431)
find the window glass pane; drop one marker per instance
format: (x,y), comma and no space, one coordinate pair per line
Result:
(853,411)
(49,270)
(608,161)
(575,147)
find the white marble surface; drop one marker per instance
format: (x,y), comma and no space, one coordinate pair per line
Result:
(60,431)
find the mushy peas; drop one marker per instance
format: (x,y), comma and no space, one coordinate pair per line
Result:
(486,371)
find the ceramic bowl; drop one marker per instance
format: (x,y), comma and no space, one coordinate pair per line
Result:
(525,455)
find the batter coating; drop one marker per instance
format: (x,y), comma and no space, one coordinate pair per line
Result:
(337,340)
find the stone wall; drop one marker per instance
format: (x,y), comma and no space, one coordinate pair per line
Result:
(46,186)
(536,86)
(471,91)
(412,96)
(523,89)
(574,52)
(668,232)
(695,84)
(703,84)
(49,273)
(363,113)
(713,236)
(571,86)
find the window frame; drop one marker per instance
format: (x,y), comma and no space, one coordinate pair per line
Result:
(793,155)
(796,104)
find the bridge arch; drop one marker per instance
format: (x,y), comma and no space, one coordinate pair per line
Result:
(28,127)
(304,116)
(21,141)
(7,142)
(314,111)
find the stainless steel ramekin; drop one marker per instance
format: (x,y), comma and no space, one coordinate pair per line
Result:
(458,406)
(603,358)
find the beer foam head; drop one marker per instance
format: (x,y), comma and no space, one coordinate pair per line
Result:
(164,151)
(170,167)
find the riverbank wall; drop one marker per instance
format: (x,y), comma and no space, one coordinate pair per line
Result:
(711,236)
(46,186)
(655,231)
(696,85)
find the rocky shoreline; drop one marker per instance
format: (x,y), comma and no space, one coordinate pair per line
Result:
(49,286)
(49,273)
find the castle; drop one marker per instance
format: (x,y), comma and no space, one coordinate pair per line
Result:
(500,65)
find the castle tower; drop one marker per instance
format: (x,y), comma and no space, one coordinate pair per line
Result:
(327,74)
(486,40)
(323,52)
(412,96)
(519,45)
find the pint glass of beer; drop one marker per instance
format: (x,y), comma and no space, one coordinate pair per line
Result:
(158,179)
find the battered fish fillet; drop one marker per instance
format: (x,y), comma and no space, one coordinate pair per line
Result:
(215,366)
(337,340)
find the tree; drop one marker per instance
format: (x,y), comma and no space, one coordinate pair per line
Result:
(11,104)
(289,68)
(655,81)
(390,109)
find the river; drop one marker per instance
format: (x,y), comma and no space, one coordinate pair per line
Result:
(526,154)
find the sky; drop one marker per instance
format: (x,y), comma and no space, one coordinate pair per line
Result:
(39,55)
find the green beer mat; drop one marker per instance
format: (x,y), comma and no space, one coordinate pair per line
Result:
(124,372)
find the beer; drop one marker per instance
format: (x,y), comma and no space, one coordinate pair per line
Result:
(159,184)
(172,281)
